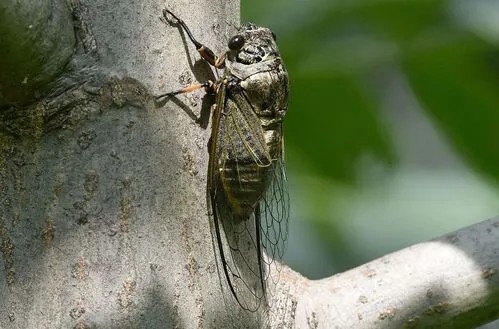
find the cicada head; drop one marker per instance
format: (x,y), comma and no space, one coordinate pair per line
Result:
(252,44)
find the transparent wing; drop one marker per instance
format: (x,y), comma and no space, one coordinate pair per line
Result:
(274,209)
(247,268)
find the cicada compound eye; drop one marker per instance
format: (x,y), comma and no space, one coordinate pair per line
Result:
(236,42)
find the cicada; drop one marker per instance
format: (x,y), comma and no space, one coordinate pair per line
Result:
(246,182)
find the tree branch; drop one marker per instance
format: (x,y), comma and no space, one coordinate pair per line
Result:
(449,282)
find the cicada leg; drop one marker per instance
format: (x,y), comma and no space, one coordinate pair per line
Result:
(209,87)
(204,51)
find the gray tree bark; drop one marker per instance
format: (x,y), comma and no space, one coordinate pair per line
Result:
(449,282)
(103,219)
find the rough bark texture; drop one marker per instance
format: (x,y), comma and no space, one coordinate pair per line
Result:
(103,219)
(450,282)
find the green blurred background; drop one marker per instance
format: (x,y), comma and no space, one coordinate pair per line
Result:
(392,132)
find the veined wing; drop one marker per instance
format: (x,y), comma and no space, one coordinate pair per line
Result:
(274,210)
(240,162)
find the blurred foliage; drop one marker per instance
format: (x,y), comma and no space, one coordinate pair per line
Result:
(458,83)
(338,54)
(333,132)
(332,50)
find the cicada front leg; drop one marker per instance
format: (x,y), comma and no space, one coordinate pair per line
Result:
(204,51)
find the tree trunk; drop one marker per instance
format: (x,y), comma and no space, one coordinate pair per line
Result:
(103,218)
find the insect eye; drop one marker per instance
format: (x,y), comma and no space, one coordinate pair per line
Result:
(236,42)
(273,36)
